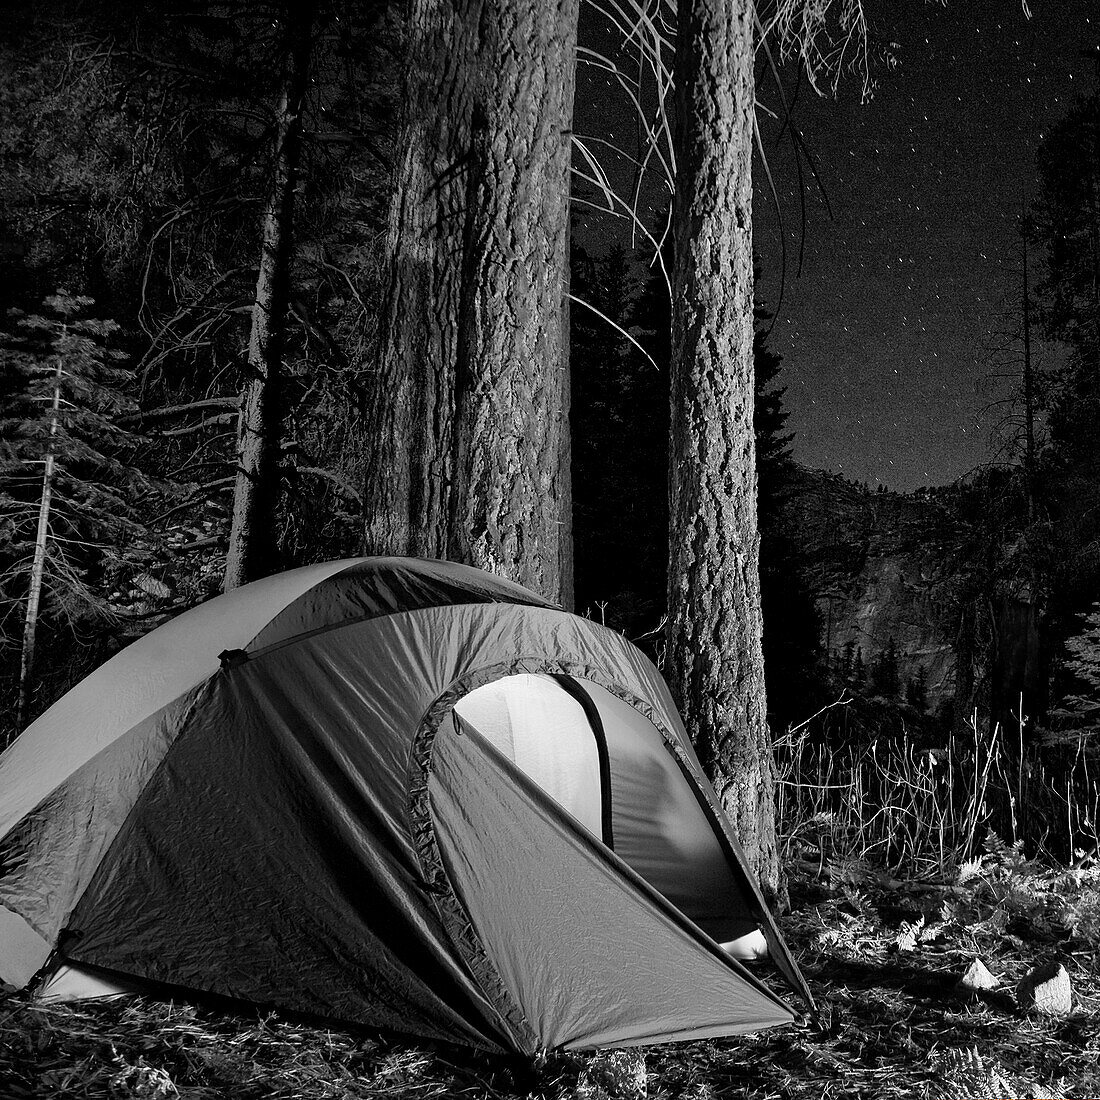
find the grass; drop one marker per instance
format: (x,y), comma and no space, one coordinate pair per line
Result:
(882,957)
(893,802)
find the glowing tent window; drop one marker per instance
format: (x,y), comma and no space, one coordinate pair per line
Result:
(545,732)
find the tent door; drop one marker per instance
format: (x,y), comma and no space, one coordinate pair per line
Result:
(549,727)
(587,950)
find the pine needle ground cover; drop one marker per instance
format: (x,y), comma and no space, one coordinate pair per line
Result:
(884,960)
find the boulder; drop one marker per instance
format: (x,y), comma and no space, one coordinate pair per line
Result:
(1046,989)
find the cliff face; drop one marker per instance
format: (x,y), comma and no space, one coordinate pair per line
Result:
(883,568)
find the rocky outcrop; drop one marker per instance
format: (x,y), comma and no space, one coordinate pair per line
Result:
(932,583)
(884,568)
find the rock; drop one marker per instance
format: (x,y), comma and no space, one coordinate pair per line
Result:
(978,977)
(1046,989)
(883,560)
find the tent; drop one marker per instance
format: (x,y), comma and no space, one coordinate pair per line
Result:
(390,791)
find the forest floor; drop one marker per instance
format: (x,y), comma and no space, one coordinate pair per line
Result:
(883,958)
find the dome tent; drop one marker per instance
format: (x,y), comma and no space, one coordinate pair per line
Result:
(389,791)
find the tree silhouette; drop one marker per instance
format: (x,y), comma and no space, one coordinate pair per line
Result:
(1078,712)
(885,679)
(253,549)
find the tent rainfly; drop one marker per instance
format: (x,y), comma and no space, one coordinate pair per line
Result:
(389,791)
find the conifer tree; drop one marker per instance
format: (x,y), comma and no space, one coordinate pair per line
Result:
(715,658)
(885,679)
(252,535)
(859,670)
(69,486)
(1063,538)
(1079,710)
(916,690)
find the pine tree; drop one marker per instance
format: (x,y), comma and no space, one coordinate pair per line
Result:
(137,166)
(916,690)
(885,678)
(252,551)
(1079,710)
(68,501)
(1065,221)
(859,670)
(715,658)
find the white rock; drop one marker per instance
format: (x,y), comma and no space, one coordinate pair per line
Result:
(1046,989)
(977,976)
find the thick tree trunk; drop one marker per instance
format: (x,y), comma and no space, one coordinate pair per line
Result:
(411,413)
(470,440)
(252,549)
(715,663)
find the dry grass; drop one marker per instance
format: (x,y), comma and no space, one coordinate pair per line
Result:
(895,803)
(140,1048)
(884,961)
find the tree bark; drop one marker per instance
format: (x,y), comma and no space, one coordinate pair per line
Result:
(715,662)
(470,439)
(253,551)
(1029,394)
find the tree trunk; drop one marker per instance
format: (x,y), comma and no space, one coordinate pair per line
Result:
(715,663)
(252,549)
(38,563)
(470,436)
(1029,396)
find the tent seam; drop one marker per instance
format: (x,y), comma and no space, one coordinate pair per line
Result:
(308,635)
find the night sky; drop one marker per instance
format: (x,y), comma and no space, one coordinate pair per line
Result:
(885,333)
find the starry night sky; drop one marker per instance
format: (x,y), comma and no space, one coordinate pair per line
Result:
(885,333)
